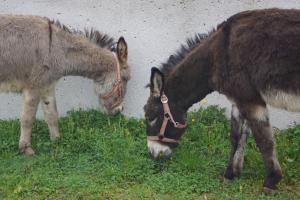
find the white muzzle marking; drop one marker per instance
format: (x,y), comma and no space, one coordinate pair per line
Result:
(116,110)
(157,149)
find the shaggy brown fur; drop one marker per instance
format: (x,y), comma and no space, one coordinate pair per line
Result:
(254,59)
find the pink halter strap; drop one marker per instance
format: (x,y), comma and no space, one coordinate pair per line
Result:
(167,117)
(117,88)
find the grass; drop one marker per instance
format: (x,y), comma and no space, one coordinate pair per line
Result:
(100,157)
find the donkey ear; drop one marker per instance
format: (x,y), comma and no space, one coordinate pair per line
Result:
(156,82)
(122,50)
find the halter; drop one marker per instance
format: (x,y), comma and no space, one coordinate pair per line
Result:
(167,117)
(117,88)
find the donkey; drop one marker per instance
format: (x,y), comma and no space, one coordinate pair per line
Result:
(36,52)
(254,59)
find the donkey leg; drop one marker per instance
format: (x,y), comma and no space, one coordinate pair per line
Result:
(50,111)
(259,123)
(238,158)
(238,137)
(31,101)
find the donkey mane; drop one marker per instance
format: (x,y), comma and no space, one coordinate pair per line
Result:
(192,42)
(180,54)
(95,36)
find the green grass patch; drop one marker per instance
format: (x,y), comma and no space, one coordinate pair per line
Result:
(100,157)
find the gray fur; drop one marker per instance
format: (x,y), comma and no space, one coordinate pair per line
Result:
(238,158)
(238,137)
(36,52)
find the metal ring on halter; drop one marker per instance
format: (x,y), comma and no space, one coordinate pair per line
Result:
(164,98)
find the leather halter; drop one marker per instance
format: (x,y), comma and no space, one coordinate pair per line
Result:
(167,117)
(117,88)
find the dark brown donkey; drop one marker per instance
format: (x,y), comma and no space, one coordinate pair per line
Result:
(254,59)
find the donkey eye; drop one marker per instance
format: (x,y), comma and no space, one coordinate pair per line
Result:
(152,122)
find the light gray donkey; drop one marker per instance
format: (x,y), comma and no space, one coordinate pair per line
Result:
(36,52)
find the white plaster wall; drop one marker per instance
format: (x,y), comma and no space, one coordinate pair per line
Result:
(153,29)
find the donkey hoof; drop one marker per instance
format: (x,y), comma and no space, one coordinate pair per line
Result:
(269,191)
(229,174)
(224,179)
(28,151)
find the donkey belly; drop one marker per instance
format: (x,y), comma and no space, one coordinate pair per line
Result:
(283,100)
(12,86)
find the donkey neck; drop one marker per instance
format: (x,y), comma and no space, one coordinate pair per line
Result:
(189,82)
(88,60)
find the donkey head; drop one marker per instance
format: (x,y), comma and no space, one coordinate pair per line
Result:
(111,87)
(163,132)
